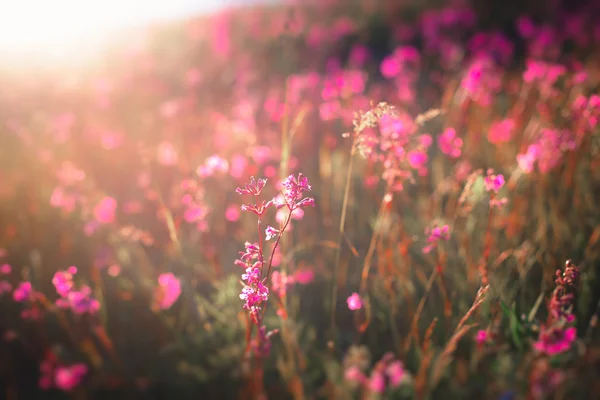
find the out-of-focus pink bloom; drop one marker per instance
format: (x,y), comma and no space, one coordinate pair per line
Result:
(193,77)
(67,378)
(449,143)
(166,154)
(23,292)
(354,302)
(239,164)
(304,276)
(169,109)
(525,27)
(493,182)
(354,375)
(111,140)
(232,213)
(481,337)
(556,340)
(213,164)
(5,287)
(501,131)
(358,55)
(330,110)
(377,382)
(104,211)
(436,234)
(417,159)
(168,291)
(46,380)
(280,282)
(5,269)
(63,281)
(395,373)
(80,301)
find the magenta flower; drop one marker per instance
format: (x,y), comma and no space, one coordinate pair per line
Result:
(104,211)
(395,373)
(449,144)
(254,187)
(501,131)
(354,302)
(354,375)
(492,182)
(232,213)
(5,269)
(436,234)
(5,287)
(67,378)
(377,382)
(304,276)
(271,233)
(23,292)
(481,337)
(63,281)
(293,189)
(168,291)
(555,340)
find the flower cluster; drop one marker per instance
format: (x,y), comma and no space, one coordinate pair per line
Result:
(63,377)
(556,336)
(436,234)
(387,373)
(79,301)
(167,292)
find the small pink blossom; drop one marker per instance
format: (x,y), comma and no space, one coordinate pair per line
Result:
(104,211)
(556,340)
(271,233)
(449,143)
(481,337)
(377,382)
(5,269)
(354,302)
(67,378)
(168,291)
(493,182)
(23,292)
(5,287)
(304,276)
(232,213)
(166,154)
(501,131)
(395,372)
(354,375)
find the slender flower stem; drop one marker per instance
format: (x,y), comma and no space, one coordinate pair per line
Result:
(338,253)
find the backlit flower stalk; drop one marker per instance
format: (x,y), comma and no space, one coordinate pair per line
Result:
(255,291)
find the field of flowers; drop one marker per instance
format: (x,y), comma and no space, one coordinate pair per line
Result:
(337,199)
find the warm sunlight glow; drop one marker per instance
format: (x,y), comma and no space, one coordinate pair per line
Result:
(60,29)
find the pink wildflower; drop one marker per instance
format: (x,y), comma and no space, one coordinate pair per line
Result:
(354,375)
(395,372)
(556,340)
(23,292)
(450,144)
(354,302)
(67,378)
(377,382)
(5,269)
(271,233)
(104,211)
(481,337)
(168,291)
(501,131)
(493,182)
